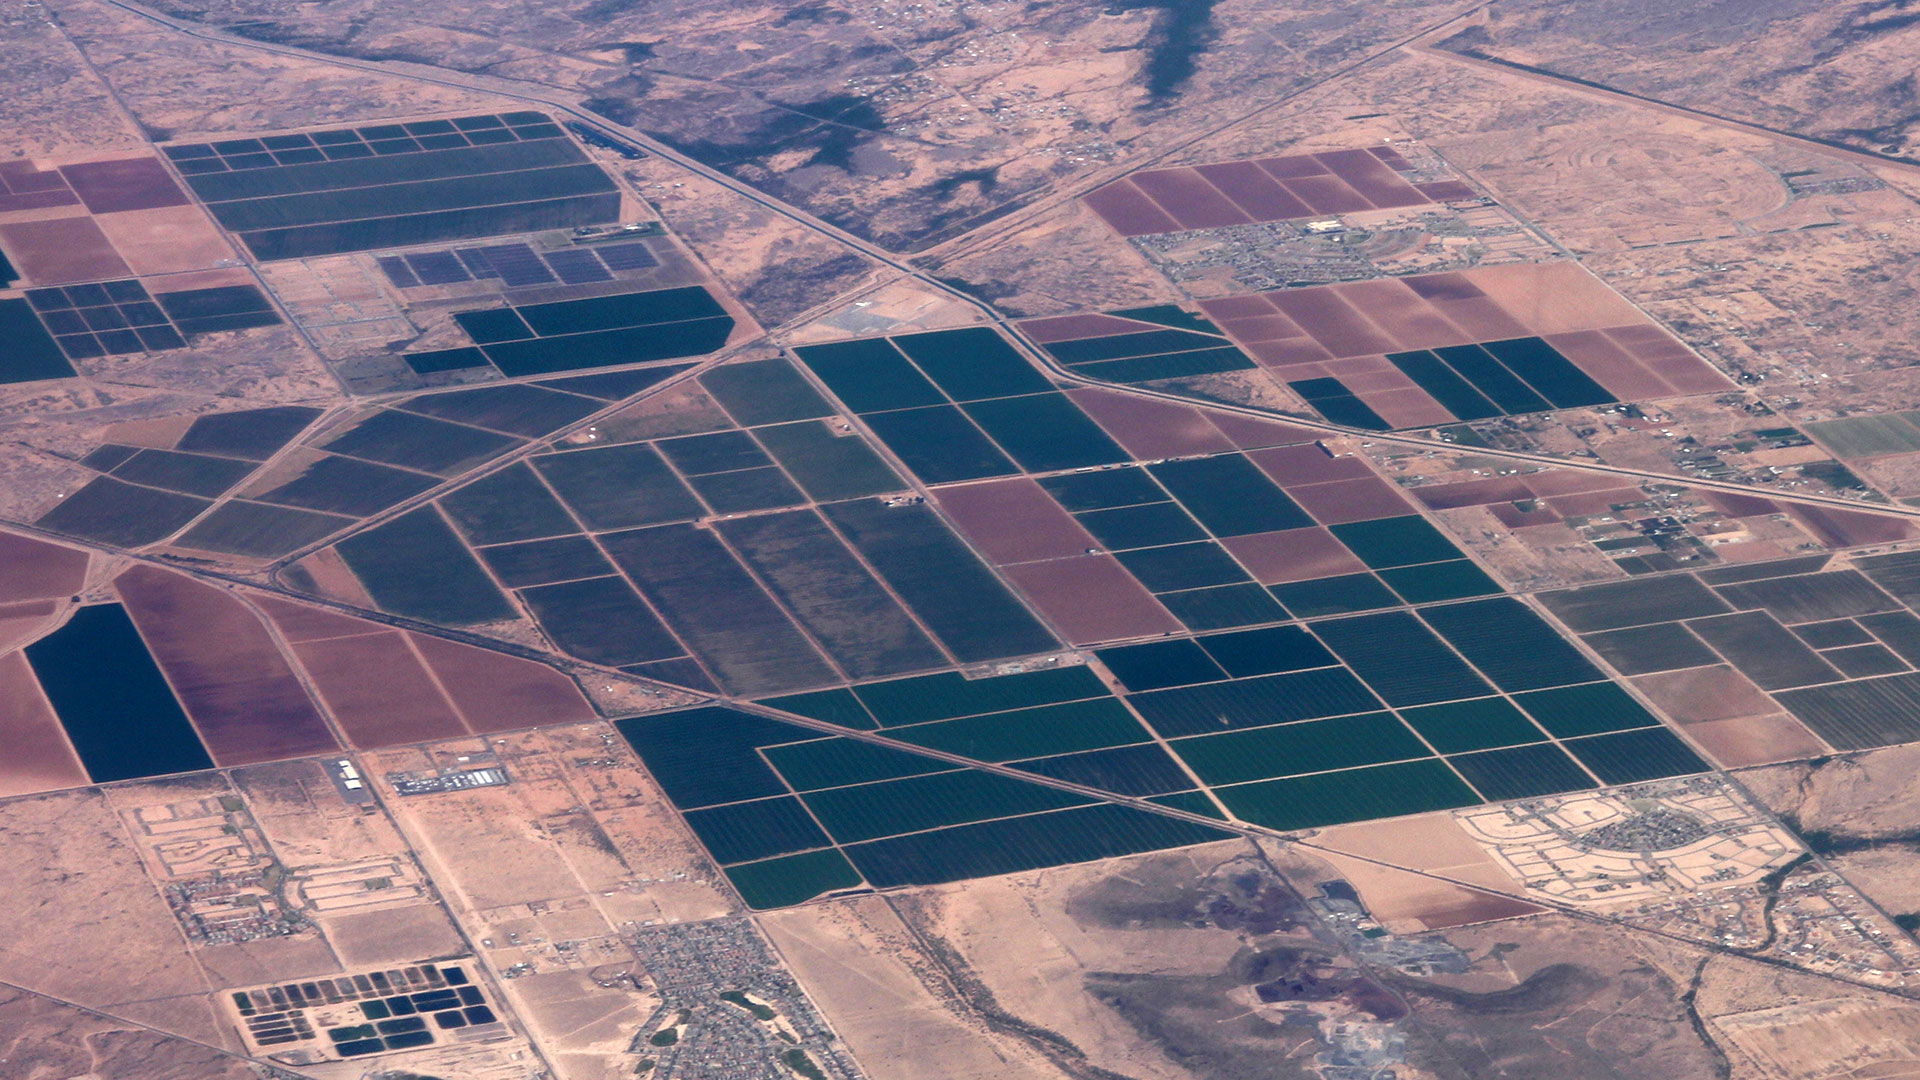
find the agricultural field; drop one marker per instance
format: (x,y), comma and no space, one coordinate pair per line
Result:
(1403,352)
(877,540)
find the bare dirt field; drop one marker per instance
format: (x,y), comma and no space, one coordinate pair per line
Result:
(1842,1036)
(1798,65)
(1139,965)
(1433,844)
(39,757)
(398,936)
(1550,995)
(890,1001)
(378,690)
(1859,811)
(584,1023)
(499,693)
(1728,717)
(178,85)
(350,870)
(61,250)
(548,869)
(42,1039)
(36,569)
(73,845)
(231,677)
(168,240)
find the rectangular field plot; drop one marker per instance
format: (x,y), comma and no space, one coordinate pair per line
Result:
(618,487)
(125,515)
(1524,772)
(1588,709)
(1396,541)
(760,392)
(601,331)
(1301,802)
(949,695)
(836,706)
(940,444)
(1123,347)
(125,726)
(255,530)
(510,505)
(1335,595)
(1510,644)
(1331,399)
(836,762)
(1042,731)
(1269,189)
(834,597)
(521,409)
(1810,597)
(543,562)
(1161,664)
(1659,647)
(28,352)
(1308,747)
(972,614)
(1763,650)
(341,485)
(352,189)
(1868,436)
(1629,757)
(1223,607)
(600,619)
(1230,495)
(828,466)
(387,560)
(972,364)
(1428,583)
(1481,724)
(422,443)
(898,817)
(1403,661)
(1246,703)
(1045,432)
(704,593)
(914,804)
(746,831)
(782,882)
(1633,603)
(1142,769)
(1022,843)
